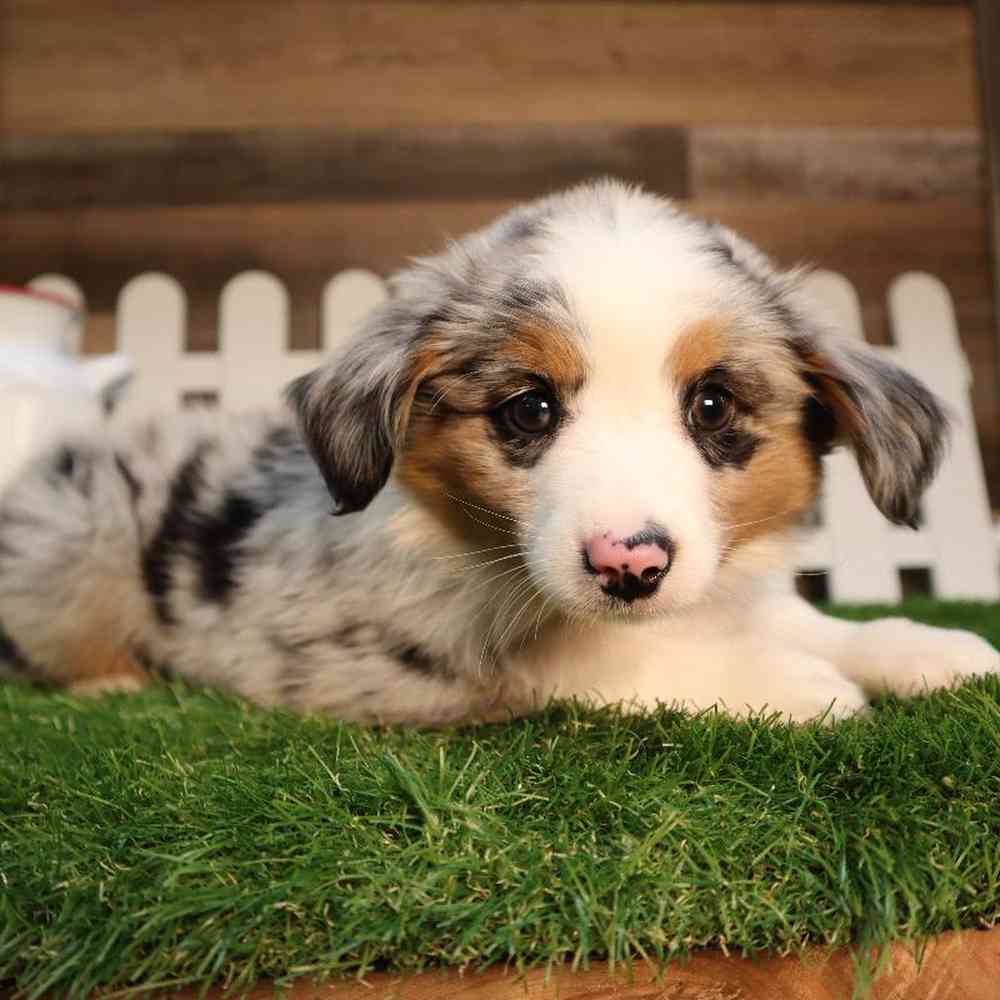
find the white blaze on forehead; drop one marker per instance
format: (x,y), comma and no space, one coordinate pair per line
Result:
(635,277)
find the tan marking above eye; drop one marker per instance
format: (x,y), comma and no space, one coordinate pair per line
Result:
(548,351)
(699,348)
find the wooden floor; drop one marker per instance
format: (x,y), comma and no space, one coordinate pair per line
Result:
(953,967)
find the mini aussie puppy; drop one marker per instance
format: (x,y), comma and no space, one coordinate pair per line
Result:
(568,458)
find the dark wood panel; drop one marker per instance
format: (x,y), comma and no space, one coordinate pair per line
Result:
(472,161)
(306,243)
(280,165)
(831,164)
(988,35)
(84,67)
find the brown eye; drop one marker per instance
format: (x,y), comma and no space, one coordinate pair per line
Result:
(711,409)
(531,414)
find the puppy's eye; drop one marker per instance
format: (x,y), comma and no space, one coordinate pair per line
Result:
(711,409)
(530,414)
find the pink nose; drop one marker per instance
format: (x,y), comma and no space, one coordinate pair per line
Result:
(629,567)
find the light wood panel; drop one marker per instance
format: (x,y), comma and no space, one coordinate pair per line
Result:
(823,164)
(89,68)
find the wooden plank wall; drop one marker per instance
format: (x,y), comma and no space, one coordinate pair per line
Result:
(203,138)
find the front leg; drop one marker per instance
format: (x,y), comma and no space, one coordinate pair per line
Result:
(696,662)
(888,655)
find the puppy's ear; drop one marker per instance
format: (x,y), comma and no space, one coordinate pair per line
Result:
(353,412)
(894,424)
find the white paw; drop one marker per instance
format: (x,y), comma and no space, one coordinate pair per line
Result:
(803,688)
(906,658)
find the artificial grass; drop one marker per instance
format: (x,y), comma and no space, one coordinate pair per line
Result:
(178,837)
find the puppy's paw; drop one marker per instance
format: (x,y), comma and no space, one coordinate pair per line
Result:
(906,658)
(803,688)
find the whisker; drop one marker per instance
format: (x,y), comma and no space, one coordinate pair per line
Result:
(484,510)
(481,552)
(515,587)
(490,562)
(517,618)
(541,611)
(444,391)
(746,524)
(497,576)
(515,593)
(492,527)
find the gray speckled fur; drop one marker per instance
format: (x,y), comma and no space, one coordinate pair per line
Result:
(332,614)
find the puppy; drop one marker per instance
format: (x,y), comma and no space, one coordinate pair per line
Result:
(568,458)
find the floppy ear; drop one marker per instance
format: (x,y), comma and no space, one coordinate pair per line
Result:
(894,424)
(354,410)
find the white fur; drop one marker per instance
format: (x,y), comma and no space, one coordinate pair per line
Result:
(206,548)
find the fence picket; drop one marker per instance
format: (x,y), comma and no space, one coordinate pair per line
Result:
(956,506)
(347,299)
(861,553)
(151,320)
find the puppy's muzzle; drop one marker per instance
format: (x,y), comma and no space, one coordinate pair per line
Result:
(629,568)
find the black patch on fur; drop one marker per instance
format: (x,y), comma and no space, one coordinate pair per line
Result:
(723,252)
(131,481)
(65,462)
(819,426)
(75,466)
(216,542)
(522,226)
(370,638)
(176,524)
(278,444)
(523,295)
(350,636)
(418,660)
(11,654)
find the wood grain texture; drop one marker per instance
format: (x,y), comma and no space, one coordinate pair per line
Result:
(953,967)
(186,66)
(304,244)
(988,40)
(276,165)
(837,164)
(474,161)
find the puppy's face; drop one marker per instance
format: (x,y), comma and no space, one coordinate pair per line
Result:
(629,395)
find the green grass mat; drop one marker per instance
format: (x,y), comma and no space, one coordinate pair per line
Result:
(178,837)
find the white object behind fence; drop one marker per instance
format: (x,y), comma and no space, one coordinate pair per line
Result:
(46,388)
(859,551)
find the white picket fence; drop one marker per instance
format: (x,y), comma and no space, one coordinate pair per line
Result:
(858,551)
